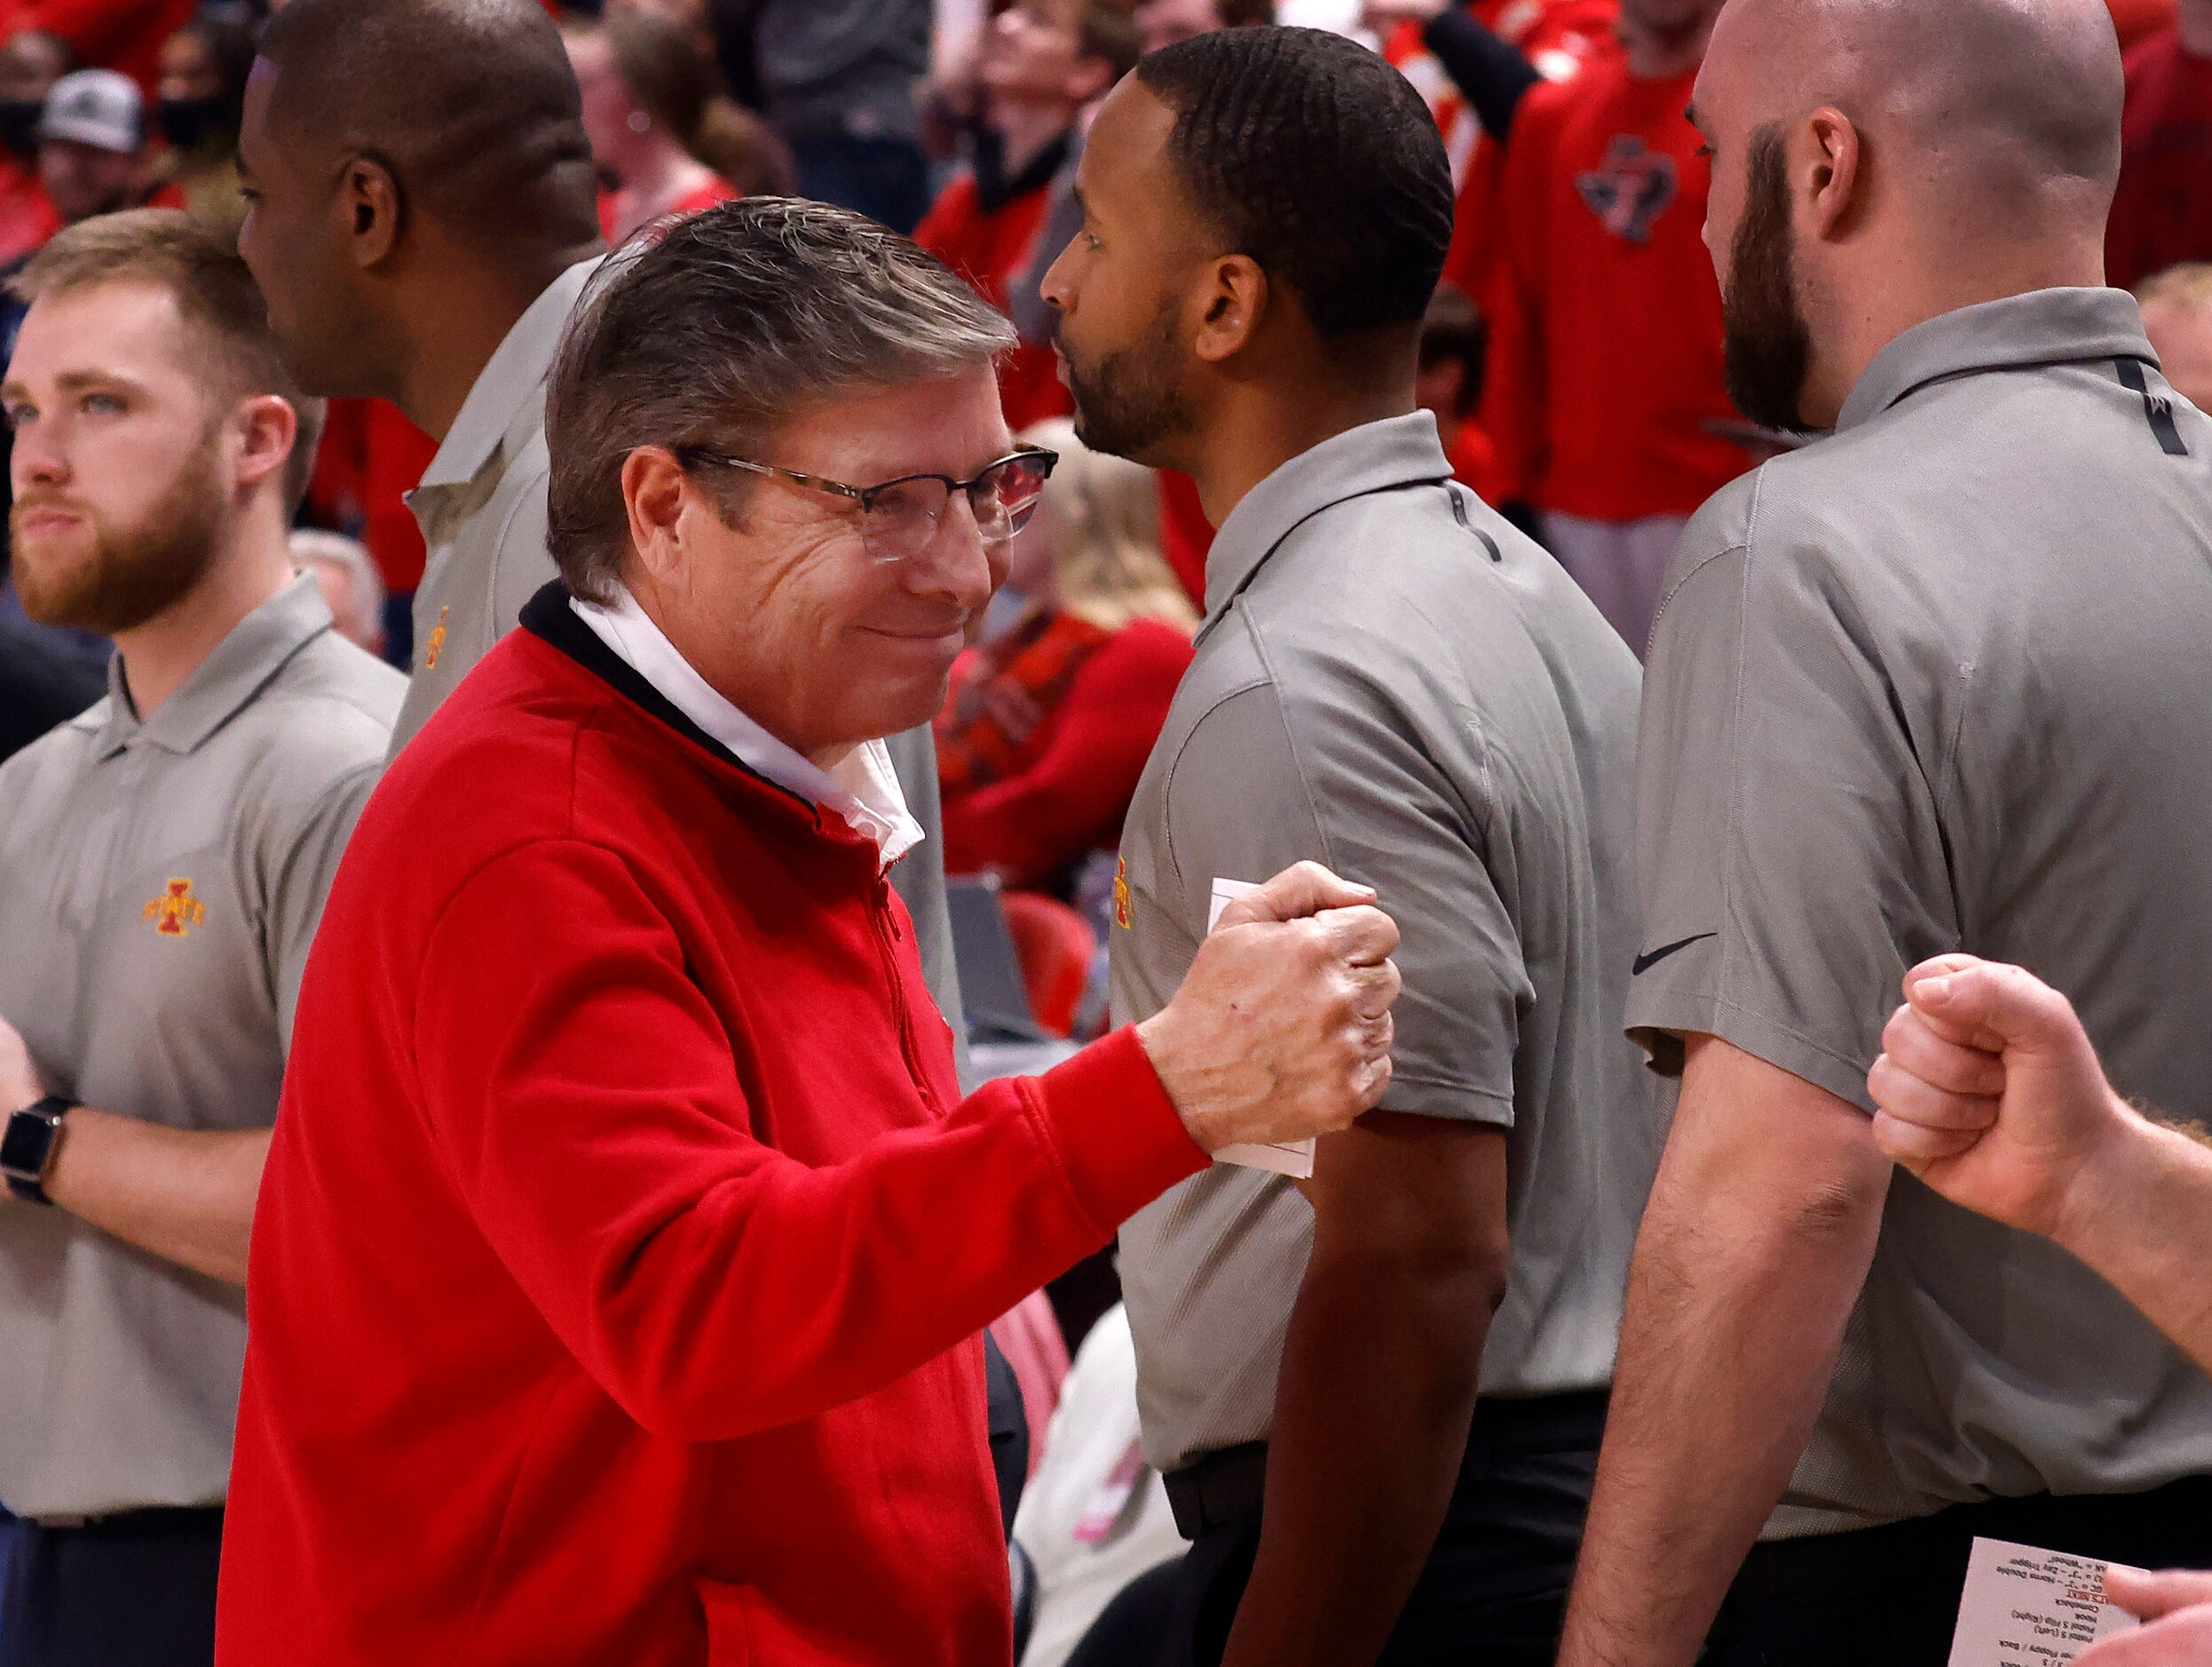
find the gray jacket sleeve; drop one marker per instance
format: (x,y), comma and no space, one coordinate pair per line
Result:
(919,880)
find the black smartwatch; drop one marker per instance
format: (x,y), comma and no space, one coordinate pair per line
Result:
(26,1148)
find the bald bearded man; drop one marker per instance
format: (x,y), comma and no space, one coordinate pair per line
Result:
(1935,682)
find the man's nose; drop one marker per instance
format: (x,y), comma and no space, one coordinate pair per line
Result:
(958,563)
(37,460)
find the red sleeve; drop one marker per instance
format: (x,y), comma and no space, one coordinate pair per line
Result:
(583,1094)
(1030,823)
(1513,411)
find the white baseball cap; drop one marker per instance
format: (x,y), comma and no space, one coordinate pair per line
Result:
(100,107)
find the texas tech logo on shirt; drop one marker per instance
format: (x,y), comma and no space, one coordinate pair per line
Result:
(1630,189)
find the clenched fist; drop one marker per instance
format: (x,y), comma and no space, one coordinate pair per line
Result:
(1281,1030)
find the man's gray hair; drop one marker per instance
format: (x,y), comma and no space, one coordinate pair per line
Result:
(719,330)
(364,586)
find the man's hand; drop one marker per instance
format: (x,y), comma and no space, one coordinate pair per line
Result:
(1281,1030)
(19,1086)
(2176,1605)
(1990,1092)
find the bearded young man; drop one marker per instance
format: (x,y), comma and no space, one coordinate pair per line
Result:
(162,859)
(1935,684)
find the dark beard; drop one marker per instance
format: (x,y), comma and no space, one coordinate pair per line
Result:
(1126,404)
(1768,345)
(140,572)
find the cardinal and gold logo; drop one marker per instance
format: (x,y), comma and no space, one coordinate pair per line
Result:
(436,646)
(1121,894)
(176,911)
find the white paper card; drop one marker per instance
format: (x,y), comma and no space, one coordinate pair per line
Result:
(2025,1607)
(1294,1158)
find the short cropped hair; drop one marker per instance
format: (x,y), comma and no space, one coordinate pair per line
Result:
(215,291)
(717,331)
(1313,156)
(2187,285)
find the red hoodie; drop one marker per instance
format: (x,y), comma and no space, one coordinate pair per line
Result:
(621,1249)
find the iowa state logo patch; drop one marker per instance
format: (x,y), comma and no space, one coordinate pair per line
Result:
(176,911)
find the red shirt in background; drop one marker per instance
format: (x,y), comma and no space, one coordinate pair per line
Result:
(624,1240)
(2162,213)
(371,458)
(125,34)
(1185,535)
(2136,19)
(1605,348)
(1062,790)
(27,218)
(1473,458)
(990,245)
(702,197)
(1558,37)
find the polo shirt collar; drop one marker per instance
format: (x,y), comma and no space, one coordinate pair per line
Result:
(1400,451)
(509,380)
(255,650)
(2044,326)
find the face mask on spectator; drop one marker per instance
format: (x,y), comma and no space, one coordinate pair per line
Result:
(188,124)
(19,126)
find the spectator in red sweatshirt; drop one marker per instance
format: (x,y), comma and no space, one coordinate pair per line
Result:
(1605,385)
(1041,62)
(2162,212)
(624,1241)
(665,137)
(1049,723)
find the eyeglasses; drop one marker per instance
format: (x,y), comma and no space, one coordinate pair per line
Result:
(899,518)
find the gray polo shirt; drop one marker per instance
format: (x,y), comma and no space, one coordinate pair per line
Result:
(1392,681)
(1944,681)
(159,886)
(482,508)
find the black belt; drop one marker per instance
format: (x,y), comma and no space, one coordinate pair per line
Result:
(1220,1487)
(151,1518)
(1231,1484)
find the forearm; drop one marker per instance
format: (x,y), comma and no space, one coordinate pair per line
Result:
(185,1195)
(1738,1312)
(2142,1218)
(1373,1399)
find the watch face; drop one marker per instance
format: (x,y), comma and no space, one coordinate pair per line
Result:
(23,1147)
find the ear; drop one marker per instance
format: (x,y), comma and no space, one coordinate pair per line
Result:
(267,429)
(655,490)
(1235,304)
(369,199)
(1833,175)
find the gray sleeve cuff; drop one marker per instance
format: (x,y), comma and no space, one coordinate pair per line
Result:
(1658,1020)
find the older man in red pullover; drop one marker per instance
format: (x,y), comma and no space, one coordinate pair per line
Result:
(615,1285)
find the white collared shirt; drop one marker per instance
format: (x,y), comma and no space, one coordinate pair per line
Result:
(863,788)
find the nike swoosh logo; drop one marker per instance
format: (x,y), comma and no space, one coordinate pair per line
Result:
(1645,963)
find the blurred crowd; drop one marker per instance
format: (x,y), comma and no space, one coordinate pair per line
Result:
(1572,359)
